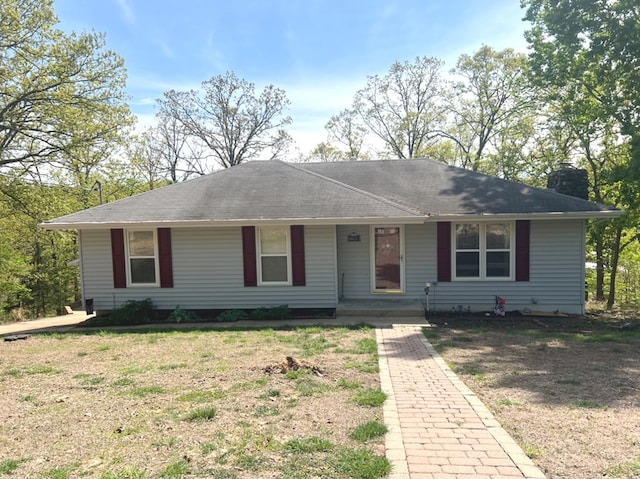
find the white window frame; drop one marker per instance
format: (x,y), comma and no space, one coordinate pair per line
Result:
(482,251)
(155,257)
(259,256)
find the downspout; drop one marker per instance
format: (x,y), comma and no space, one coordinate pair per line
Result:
(81,268)
(583,275)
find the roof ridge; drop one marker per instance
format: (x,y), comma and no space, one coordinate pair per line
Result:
(357,190)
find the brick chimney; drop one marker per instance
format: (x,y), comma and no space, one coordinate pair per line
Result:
(570,181)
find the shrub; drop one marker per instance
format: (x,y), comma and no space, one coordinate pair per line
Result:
(179,315)
(231,315)
(272,313)
(133,312)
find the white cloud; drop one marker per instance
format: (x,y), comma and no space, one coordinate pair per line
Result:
(127,11)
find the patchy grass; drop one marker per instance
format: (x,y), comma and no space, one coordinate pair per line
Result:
(8,466)
(569,394)
(190,404)
(368,431)
(362,464)
(370,398)
(202,414)
(307,445)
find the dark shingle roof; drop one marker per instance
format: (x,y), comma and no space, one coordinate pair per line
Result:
(335,192)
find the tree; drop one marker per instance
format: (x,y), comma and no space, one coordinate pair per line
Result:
(144,157)
(180,155)
(403,107)
(491,107)
(230,119)
(324,152)
(345,129)
(57,91)
(590,48)
(585,54)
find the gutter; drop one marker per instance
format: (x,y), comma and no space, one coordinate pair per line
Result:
(428,218)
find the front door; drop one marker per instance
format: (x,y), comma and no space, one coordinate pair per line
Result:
(387,261)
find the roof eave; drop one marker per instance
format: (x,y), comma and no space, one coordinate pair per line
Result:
(555,215)
(331,220)
(236,222)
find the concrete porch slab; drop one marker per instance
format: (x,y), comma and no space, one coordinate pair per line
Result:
(387,307)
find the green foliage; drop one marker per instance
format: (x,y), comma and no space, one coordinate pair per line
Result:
(369,366)
(133,312)
(311,387)
(57,473)
(366,346)
(231,315)
(307,445)
(583,59)
(625,470)
(297,373)
(179,315)
(264,411)
(368,431)
(202,414)
(587,404)
(9,466)
(124,474)
(493,111)
(347,384)
(370,398)
(201,396)
(64,97)
(176,470)
(143,391)
(362,464)
(271,314)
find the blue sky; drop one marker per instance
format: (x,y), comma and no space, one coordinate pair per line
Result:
(319,51)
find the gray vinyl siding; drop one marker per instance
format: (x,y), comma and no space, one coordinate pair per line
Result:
(556,279)
(208,273)
(354,261)
(556,271)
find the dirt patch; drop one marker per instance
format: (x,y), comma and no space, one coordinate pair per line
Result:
(185,403)
(567,392)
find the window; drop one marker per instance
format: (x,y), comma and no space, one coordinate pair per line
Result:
(142,257)
(483,250)
(273,255)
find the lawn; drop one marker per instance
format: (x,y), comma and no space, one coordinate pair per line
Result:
(571,399)
(192,404)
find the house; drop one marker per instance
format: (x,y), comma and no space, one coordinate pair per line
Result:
(313,235)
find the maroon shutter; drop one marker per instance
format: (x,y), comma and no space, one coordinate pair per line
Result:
(297,255)
(166,261)
(118,258)
(444,251)
(523,229)
(249,255)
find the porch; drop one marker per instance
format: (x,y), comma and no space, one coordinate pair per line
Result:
(378,308)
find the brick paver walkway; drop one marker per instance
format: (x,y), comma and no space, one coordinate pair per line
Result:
(439,429)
